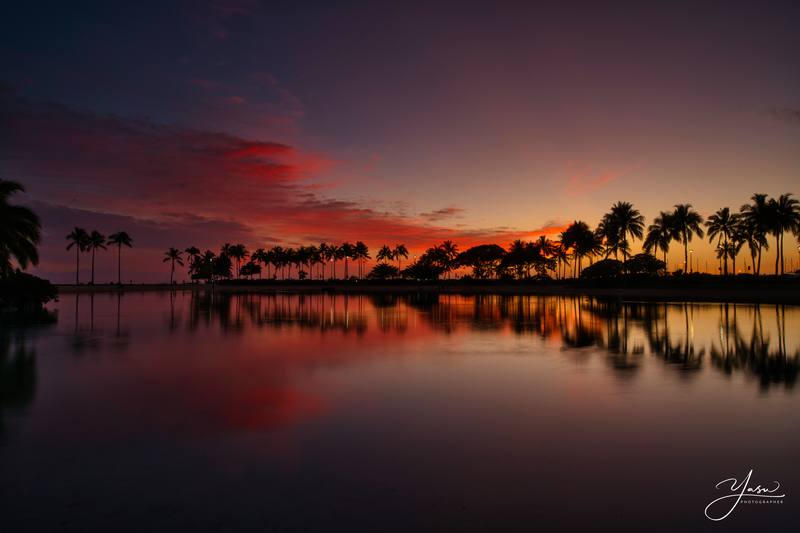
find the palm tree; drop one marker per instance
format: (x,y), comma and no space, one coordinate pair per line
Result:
(449,253)
(399,251)
(78,239)
(260,256)
(659,234)
(686,223)
(20,230)
(758,216)
(385,254)
(324,256)
(193,255)
(239,253)
(582,241)
(361,253)
(347,251)
(786,211)
(615,227)
(120,239)
(173,255)
(722,225)
(96,240)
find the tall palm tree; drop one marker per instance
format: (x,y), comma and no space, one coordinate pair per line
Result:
(449,251)
(722,225)
(399,251)
(622,222)
(385,254)
(96,241)
(20,230)
(193,256)
(173,255)
(259,256)
(787,218)
(120,239)
(324,256)
(582,241)
(78,239)
(347,250)
(659,234)
(361,253)
(759,217)
(239,253)
(686,223)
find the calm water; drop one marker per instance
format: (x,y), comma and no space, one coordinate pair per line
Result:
(261,413)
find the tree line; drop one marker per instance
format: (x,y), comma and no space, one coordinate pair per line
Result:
(756,225)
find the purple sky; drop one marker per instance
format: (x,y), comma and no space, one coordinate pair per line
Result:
(200,123)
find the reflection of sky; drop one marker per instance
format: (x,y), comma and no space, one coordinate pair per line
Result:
(469,410)
(192,125)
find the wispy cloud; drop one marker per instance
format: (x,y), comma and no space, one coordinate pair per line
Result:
(442,214)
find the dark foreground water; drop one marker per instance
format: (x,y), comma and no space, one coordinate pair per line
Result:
(151,412)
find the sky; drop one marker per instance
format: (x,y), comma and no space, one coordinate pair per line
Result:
(199,123)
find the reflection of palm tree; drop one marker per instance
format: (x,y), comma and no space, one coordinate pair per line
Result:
(96,240)
(173,255)
(19,230)
(78,239)
(120,239)
(686,223)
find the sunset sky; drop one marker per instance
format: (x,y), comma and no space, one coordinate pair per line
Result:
(198,123)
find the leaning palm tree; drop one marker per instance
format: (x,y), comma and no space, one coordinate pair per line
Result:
(399,251)
(20,230)
(120,239)
(78,239)
(659,235)
(786,211)
(686,223)
(173,255)
(95,241)
(722,225)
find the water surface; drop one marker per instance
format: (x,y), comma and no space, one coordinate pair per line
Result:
(197,412)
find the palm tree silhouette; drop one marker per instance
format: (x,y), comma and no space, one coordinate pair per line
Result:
(659,235)
(759,216)
(385,254)
(399,251)
(95,241)
(78,239)
(787,218)
(173,255)
(193,256)
(239,253)
(120,239)
(686,223)
(259,256)
(722,225)
(20,230)
(347,252)
(617,225)
(361,252)
(449,252)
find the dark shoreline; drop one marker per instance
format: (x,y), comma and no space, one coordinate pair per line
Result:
(700,289)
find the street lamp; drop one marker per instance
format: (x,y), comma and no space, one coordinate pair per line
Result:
(690,260)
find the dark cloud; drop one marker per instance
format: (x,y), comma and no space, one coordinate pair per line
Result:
(442,214)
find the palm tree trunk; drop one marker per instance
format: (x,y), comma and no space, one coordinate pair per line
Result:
(93,250)
(686,266)
(77,264)
(172,273)
(119,264)
(777,252)
(758,267)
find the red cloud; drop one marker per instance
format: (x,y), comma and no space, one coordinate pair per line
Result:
(194,187)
